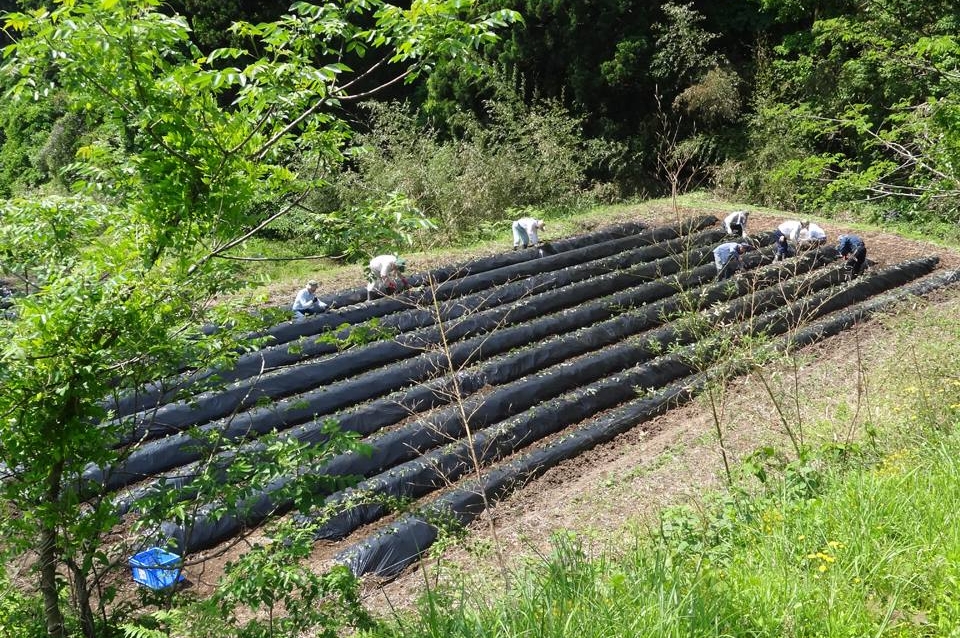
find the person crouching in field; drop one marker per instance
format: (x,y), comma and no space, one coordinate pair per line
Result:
(385,275)
(812,236)
(306,302)
(726,257)
(736,223)
(854,252)
(786,236)
(525,232)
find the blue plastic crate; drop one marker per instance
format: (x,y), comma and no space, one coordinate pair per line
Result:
(156,568)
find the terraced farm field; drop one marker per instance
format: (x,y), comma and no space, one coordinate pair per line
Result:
(493,372)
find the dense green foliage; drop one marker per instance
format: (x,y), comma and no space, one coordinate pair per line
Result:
(848,106)
(860,109)
(520,155)
(176,149)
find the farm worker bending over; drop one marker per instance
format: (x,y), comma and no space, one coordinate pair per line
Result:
(854,251)
(525,232)
(306,301)
(736,223)
(385,274)
(726,257)
(786,234)
(812,236)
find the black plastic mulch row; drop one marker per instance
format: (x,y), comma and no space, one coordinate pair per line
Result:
(403,312)
(180,448)
(240,395)
(417,437)
(390,550)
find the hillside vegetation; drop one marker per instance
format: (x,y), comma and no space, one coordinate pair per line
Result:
(842,107)
(166,168)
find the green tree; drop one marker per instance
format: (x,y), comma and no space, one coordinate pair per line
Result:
(593,55)
(23,131)
(613,63)
(210,20)
(123,270)
(859,108)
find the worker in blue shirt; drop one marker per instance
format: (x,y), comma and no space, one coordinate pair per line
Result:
(726,257)
(854,252)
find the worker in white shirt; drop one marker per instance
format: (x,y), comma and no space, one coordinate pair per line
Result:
(812,236)
(736,223)
(786,237)
(306,302)
(385,274)
(525,232)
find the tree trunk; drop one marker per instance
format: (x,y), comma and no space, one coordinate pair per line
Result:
(82,594)
(48,559)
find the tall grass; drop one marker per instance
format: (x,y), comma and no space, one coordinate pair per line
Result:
(512,159)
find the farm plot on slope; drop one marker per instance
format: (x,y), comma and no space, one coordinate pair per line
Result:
(497,370)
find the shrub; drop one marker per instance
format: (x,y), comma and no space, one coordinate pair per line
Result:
(357,230)
(516,155)
(21,616)
(23,132)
